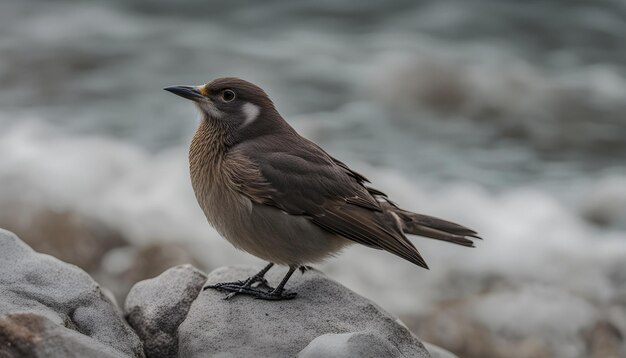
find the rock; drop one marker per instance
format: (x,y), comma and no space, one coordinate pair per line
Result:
(346,345)
(438,352)
(52,309)
(156,307)
(324,318)
(92,245)
(33,335)
(360,345)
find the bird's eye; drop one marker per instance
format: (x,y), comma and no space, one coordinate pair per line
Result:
(228,95)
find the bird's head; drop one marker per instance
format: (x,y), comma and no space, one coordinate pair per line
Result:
(230,101)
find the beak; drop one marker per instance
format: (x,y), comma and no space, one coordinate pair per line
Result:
(189,92)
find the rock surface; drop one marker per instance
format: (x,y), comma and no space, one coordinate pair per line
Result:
(438,352)
(49,308)
(156,307)
(324,318)
(52,309)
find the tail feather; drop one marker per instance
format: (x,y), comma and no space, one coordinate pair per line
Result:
(434,228)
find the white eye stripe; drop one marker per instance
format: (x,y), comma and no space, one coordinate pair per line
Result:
(251,112)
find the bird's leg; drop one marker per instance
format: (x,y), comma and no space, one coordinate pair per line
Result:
(279,292)
(304,269)
(258,277)
(268,293)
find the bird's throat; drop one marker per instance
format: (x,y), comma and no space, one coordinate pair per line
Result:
(206,151)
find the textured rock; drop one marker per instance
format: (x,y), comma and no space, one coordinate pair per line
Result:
(52,309)
(438,352)
(346,345)
(156,307)
(32,335)
(325,318)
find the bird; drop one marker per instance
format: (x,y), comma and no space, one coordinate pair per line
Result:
(280,197)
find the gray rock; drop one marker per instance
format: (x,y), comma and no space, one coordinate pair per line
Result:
(156,307)
(33,335)
(325,319)
(438,352)
(347,345)
(52,309)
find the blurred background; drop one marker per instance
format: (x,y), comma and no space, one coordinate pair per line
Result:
(505,116)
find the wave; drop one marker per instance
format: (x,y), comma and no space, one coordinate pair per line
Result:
(553,110)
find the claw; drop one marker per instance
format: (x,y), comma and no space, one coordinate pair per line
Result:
(257,292)
(217,285)
(262,290)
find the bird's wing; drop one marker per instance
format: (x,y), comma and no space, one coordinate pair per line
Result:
(301,179)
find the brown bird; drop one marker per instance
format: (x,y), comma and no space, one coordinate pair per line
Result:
(280,197)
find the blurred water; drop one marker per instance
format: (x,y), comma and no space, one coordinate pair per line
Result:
(506,116)
(505,95)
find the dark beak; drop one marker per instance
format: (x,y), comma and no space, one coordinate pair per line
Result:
(189,92)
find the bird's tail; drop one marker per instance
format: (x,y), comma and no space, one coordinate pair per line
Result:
(434,228)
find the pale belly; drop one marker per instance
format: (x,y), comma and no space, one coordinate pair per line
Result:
(269,233)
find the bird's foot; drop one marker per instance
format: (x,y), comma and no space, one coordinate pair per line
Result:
(248,283)
(261,291)
(277,295)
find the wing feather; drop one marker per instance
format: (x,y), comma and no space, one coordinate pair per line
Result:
(307,181)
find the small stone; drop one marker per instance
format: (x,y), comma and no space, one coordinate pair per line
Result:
(156,307)
(438,352)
